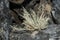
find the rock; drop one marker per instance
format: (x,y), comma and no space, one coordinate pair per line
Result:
(53,31)
(56,8)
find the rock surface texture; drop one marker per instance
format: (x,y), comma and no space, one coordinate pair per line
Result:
(12,19)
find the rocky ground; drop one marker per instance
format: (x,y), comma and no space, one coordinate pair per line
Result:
(16,25)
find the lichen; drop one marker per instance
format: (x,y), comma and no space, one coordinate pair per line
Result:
(33,21)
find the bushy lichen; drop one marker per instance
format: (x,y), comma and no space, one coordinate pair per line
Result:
(33,21)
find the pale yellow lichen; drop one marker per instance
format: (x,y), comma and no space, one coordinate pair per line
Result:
(33,21)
